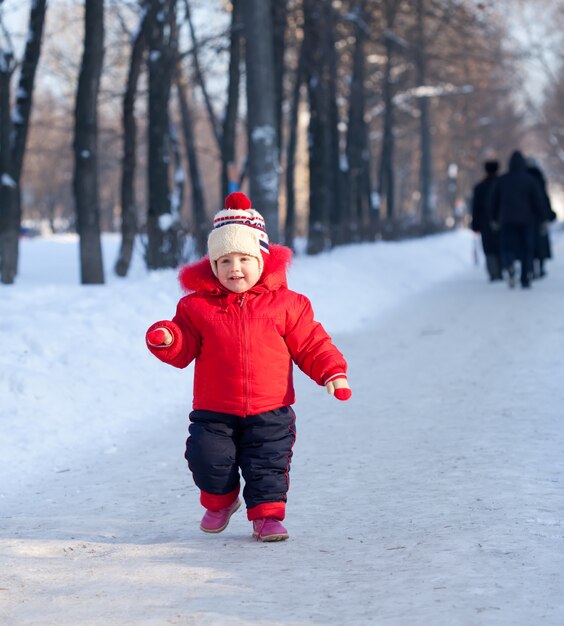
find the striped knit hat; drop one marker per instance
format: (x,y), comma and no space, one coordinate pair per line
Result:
(237,228)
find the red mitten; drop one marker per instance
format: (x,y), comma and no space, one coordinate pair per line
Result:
(159,337)
(343,393)
(339,387)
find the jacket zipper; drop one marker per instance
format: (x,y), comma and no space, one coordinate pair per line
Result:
(246,388)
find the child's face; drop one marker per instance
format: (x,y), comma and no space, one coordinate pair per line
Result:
(238,272)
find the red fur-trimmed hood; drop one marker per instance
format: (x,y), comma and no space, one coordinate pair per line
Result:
(199,276)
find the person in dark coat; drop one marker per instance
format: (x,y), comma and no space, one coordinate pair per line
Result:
(543,249)
(517,206)
(481,222)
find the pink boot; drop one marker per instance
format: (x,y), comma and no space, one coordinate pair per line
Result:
(269,529)
(216,521)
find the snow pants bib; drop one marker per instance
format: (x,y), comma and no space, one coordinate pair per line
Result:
(260,446)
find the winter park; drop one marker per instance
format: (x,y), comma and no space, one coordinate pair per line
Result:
(432,497)
(280,313)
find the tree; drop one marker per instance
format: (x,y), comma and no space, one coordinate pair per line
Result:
(228,134)
(13,138)
(85,145)
(361,214)
(200,226)
(365,91)
(163,227)
(425,162)
(323,140)
(291,146)
(223,132)
(540,47)
(386,176)
(279,26)
(9,224)
(128,205)
(261,112)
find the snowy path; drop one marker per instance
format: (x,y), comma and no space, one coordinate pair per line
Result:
(433,497)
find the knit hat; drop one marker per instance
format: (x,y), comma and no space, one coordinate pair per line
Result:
(237,228)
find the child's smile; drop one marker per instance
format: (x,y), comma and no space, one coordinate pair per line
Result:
(238,272)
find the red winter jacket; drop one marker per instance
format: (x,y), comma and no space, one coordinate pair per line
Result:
(244,344)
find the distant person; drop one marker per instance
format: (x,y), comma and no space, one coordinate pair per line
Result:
(516,207)
(481,222)
(244,328)
(542,248)
(232,178)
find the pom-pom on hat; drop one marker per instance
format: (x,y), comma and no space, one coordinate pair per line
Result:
(237,228)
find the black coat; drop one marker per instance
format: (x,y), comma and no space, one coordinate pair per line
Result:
(543,249)
(481,219)
(517,197)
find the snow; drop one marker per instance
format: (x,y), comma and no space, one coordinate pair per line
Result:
(267,181)
(430,91)
(168,220)
(7,181)
(264,135)
(434,496)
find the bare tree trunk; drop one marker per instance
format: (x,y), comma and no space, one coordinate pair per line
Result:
(279,24)
(324,172)
(319,194)
(17,140)
(290,225)
(128,205)
(200,221)
(26,84)
(360,218)
(85,182)
(386,174)
(177,198)
(9,223)
(262,118)
(386,177)
(162,230)
(230,119)
(199,75)
(337,177)
(426,170)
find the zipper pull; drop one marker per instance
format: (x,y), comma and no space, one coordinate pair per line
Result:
(241,300)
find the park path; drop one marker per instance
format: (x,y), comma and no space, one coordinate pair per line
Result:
(434,496)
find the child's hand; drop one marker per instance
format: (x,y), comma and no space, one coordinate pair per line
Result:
(339,387)
(159,337)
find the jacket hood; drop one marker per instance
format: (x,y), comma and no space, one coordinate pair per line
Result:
(199,276)
(517,162)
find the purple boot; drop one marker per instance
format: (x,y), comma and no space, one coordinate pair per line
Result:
(216,521)
(269,529)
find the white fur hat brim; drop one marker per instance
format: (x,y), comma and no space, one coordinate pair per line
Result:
(234,238)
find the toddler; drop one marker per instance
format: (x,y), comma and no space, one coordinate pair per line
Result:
(244,328)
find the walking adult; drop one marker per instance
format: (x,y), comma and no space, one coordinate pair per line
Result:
(481,222)
(516,207)
(542,248)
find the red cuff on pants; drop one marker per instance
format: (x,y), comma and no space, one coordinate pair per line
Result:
(277,510)
(214,502)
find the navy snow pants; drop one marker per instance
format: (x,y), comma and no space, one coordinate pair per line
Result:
(260,446)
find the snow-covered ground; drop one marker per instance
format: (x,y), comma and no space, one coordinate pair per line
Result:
(434,496)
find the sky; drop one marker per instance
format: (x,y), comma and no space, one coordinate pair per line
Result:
(538,41)
(433,496)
